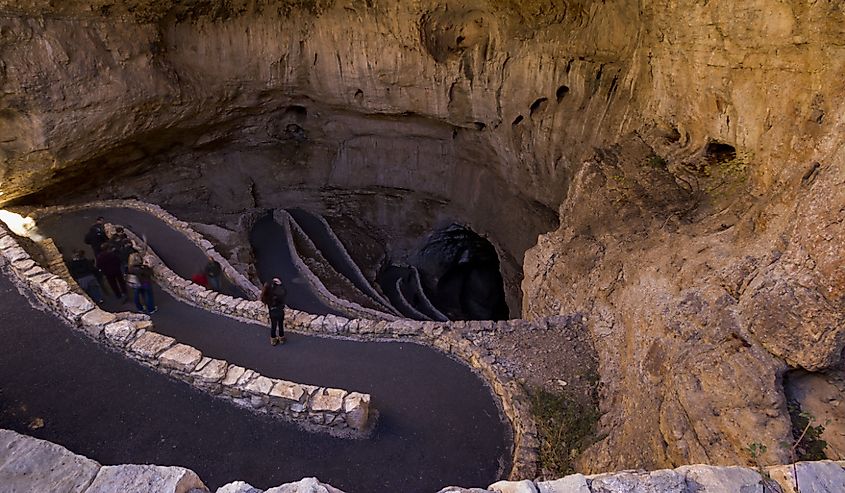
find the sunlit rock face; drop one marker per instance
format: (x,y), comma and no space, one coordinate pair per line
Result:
(682,160)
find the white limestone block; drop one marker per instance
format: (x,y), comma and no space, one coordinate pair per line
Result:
(180,357)
(143,478)
(574,483)
(151,344)
(813,477)
(524,486)
(28,464)
(328,400)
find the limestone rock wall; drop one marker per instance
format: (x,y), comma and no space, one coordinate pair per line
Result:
(703,277)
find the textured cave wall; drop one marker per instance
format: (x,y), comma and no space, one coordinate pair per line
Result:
(700,293)
(96,90)
(705,281)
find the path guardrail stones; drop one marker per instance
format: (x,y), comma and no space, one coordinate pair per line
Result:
(133,334)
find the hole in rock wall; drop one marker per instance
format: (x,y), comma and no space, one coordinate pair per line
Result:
(460,272)
(537,105)
(561,93)
(296,112)
(517,120)
(718,152)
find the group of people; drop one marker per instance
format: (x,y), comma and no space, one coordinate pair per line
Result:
(118,263)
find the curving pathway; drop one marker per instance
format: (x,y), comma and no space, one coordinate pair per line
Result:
(439,424)
(321,234)
(274,258)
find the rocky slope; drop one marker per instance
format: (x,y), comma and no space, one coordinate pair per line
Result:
(691,154)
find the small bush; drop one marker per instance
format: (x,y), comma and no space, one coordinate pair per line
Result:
(566,426)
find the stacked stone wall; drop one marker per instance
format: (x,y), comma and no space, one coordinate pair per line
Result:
(448,337)
(336,411)
(326,296)
(30,464)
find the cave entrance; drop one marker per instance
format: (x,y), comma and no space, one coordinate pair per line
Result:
(460,272)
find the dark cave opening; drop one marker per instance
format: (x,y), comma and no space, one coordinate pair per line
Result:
(461,273)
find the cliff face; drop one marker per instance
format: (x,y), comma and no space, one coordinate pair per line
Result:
(691,154)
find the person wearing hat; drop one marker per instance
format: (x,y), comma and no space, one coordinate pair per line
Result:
(273,295)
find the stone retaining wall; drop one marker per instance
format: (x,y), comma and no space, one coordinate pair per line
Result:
(335,411)
(237,278)
(29,464)
(360,301)
(439,316)
(353,309)
(406,305)
(448,337)
(359,276)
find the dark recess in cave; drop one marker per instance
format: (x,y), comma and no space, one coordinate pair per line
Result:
(718,152)
(536,105)
(561,93)
(461,274)
(518,120)
(296,112)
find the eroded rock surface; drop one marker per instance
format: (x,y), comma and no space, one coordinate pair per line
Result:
(691,154)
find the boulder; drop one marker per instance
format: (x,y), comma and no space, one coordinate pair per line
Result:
(214,371)
(55,288)
(524,486)
(75,305)
(813,477)
(238,487)
(151,344)
(143,478)
(96,320)
(233,375)
(328,400)
(663,481)
(307,485)
(260,385)
(287,390)
(180,357)
(707,479)
(120,333)
(575,483)
(31,465)
(357,409)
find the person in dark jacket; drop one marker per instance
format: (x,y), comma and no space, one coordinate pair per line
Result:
(109,265)
(96,236)
(214,274)
(142,276)
(273,295)
(123,248)
(83,270)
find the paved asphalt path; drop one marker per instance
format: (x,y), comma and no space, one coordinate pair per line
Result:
(274,258)
(323,240)
(438,426)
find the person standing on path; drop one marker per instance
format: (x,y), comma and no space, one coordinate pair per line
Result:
(109,265)
(273,295)
(141,280)
(96,236)
(123,248)
(83,270)
(214,274)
